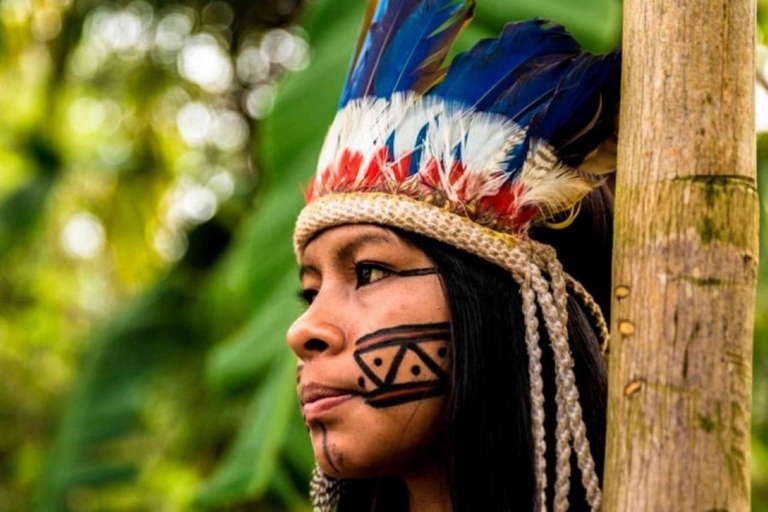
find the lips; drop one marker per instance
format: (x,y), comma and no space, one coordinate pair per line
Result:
(317,399)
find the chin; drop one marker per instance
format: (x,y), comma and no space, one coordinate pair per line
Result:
(377,443)
(348,464)
(372,460)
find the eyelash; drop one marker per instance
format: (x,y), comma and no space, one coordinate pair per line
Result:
(308,295)
(359,266)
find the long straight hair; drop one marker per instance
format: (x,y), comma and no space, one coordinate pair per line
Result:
(487,449)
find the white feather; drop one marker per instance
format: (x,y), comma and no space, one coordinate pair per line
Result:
(550,185)
(484,140)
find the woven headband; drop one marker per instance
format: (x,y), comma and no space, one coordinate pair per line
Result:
(513,133)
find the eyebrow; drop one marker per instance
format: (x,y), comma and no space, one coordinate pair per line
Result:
(348,250)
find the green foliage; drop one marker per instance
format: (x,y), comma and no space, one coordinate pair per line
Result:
(105,404)
(252,461)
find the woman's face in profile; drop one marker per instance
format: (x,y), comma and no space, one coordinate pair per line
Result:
(373,349)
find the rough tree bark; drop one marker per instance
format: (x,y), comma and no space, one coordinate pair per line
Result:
(685,259)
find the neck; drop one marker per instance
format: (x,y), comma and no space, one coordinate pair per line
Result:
(428,492)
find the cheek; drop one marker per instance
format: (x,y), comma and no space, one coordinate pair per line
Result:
(420,301)
(409,300)
(409,364)
(402,375)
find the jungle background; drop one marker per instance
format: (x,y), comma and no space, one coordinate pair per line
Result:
(152,155)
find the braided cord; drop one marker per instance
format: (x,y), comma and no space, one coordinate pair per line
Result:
(576,421)
(536,392)
(553,322)
(594,310)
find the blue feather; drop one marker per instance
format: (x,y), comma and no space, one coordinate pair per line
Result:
(532,91)
(404,46)
(418,47)
(582,110)
(516,158)
(418,149)
(480,76)
(388,17)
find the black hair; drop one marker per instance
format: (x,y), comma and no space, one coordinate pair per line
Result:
(487,450)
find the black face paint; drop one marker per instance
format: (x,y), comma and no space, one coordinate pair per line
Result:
(327,452)
(403,363)
(417,272)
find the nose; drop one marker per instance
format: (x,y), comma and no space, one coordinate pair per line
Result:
(316,331)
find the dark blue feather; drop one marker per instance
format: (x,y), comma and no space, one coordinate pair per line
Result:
(483,74)
(405,40)
(388,17)
(583,108)
(418,149)
(418,47)
(579,112)
(532,91)
(516,157)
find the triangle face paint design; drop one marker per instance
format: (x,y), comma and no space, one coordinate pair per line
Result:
(413,369)
(377,363)
(437,351)
(403,363)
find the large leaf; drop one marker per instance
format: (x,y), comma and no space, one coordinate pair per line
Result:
(252,460)
(250,352)
(106,401)
(158,333)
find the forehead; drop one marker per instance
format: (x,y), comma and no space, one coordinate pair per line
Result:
(342,241)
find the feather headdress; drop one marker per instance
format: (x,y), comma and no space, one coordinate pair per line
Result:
(513,133)
(498,137)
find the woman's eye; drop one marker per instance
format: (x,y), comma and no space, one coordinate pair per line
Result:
(368,273)
(307,296)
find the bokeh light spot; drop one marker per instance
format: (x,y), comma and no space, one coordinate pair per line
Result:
(252,65)
(229,131)
(194,122)
(222,184)
(218,13)
(46,24)
(204,62)
(259,101)
(169,245)
(200,204)
(83,236)
(174,29)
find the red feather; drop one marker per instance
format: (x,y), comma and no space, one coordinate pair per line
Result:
(373,173)
(401,166)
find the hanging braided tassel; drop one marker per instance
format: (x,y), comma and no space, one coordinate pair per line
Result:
(536,392)
(594,310)
(578,429)
(570,424)
(324,491)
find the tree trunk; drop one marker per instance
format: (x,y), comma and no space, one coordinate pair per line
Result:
(685,259)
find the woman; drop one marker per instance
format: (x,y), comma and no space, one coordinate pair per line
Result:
(446,361)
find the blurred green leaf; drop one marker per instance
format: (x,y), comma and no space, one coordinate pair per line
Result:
(20,212)
(250,463)
(153,335)
(248,354)
(595,23)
